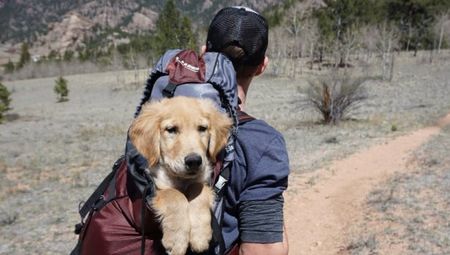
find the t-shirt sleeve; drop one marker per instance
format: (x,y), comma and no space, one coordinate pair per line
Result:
(261,201)
(267,175)
(261,221)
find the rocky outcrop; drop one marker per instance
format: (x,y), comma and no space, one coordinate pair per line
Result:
(67,34)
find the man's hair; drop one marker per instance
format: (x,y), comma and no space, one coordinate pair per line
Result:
(241,34)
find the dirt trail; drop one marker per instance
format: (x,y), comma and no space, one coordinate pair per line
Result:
(319,215)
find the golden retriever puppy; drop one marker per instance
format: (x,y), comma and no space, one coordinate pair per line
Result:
(180,138)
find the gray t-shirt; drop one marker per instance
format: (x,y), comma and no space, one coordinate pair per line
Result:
(259,175)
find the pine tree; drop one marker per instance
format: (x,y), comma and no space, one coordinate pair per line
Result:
(61,89)
(173,30)
(9,67)
(4,100)
(187,37)
(25,56)
(68,55)
(414,19)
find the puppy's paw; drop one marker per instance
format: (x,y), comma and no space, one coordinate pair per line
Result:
(175,243)
(172,207)
(200,237)
(200,218)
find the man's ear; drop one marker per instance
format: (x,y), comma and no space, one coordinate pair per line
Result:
(202,50)
(262,67)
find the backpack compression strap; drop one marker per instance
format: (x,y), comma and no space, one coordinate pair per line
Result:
(224,175)
(221,181)
(97,200)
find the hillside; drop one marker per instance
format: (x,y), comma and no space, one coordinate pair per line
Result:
(45,22)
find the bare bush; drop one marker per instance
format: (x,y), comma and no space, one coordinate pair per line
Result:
(442,29)
(335,95)
(293,41)
(382,40)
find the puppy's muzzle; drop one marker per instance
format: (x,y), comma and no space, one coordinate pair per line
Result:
(193,162)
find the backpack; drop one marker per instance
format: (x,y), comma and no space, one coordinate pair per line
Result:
(118,200)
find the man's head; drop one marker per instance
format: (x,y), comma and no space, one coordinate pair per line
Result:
(241,34)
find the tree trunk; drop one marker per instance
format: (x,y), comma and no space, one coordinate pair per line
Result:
(441,37)
(391,73)
(409,37)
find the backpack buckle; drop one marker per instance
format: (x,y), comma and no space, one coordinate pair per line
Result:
(78,228)
(169,90)
(101,201)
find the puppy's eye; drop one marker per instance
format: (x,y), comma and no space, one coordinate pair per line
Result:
(172,130)
(202,128)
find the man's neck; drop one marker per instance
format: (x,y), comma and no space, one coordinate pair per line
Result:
(242,92)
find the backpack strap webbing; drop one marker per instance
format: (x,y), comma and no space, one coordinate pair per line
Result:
(244,117)
(219,187)
(97,200)
(224,174)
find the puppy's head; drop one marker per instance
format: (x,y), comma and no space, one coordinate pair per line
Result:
(181,134)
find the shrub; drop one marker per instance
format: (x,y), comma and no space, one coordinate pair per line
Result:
(335,95)
(4,100)
(25,56)
(9,67)
(61,89)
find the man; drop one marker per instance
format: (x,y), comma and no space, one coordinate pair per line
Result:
(253,217)
(253,203)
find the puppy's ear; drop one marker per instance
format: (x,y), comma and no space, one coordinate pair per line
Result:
(219,131)
(145,134)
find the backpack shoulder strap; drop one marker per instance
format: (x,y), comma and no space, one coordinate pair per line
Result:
(221,179)
(222,175)
(97,199)
(243,117)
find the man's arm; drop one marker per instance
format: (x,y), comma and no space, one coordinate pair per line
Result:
(280,248)
(261,223)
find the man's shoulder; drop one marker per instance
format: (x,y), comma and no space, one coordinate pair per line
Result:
(256,128)
(257,137)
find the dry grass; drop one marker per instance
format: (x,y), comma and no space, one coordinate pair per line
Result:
(409,213)
(54,68)
(63,151)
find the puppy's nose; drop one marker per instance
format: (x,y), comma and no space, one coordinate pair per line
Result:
(193,161)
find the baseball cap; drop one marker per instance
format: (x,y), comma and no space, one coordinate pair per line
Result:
(239,26)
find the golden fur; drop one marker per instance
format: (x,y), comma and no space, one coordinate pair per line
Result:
(168,133)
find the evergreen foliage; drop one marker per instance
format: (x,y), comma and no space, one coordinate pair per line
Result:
(61,89)
(68,55)
(9,67)
(25,56)
(5,100)
(326,26)
(340,16)
(413,18)
(173,30)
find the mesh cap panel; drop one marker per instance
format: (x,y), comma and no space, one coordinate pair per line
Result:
(241,27)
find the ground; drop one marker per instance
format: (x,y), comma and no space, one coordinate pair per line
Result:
(355,188)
